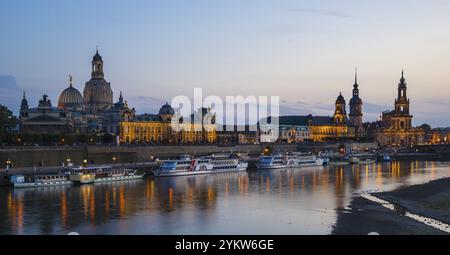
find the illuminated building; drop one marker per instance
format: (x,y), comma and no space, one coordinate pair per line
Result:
(438,136)
(297,129)
(397,129)
(157,129)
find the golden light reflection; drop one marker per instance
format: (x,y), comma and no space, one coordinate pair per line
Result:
(325,179)
(85,196)
(63,209)
(122,201)
(211,195)
(114,196)
(190,195)
(92,206)
(379,178)
(303,183)
(107,204)
(20,221)
(366,177)
(170,198)
(433,170)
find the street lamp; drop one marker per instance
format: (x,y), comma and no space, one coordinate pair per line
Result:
(85,163)
(8,164)
(114,159)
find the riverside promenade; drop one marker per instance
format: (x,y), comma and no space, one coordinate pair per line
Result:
(30,157)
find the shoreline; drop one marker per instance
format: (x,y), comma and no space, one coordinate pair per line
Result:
(431,199)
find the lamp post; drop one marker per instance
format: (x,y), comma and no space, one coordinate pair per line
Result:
(8,165)
(85,163)
(114,159)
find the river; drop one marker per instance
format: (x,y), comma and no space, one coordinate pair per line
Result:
(293,201)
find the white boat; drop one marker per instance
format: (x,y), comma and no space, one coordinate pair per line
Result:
(227,163)
(272,162)
(183,166)
(295,160)
(90,175)
(205,165)
(41,180)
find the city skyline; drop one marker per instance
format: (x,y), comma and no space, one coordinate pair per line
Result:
(309,50)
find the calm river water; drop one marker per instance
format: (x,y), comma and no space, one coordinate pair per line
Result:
(294,201)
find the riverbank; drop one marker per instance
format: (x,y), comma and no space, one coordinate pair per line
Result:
(364,217)
(431,200)
(56,156)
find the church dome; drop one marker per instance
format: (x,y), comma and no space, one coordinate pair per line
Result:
(70,98)
(166,110)
(340,99)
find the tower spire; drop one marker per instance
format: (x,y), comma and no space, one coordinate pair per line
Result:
(356,75)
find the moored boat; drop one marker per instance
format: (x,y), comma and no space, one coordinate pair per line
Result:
(214,164)
(183,166)
(226,163)
(90,175)
(295,160)
(39,180)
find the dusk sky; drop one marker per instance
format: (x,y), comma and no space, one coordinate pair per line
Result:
(303,51)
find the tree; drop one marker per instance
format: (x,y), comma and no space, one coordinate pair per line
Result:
(7,122)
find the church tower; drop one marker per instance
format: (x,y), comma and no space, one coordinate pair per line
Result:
(24,107)
(401,117)
(402,101)
(97,94)
(340,113)
(97,67)
(356,103)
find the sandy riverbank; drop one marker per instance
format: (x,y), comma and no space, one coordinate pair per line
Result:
(364,217)
(431,200)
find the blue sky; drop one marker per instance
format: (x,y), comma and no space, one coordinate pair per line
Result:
(303,51)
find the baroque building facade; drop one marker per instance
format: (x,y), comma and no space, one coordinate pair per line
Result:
(43,119)
(397,129)
(297,129)
(158,129)
(92,112)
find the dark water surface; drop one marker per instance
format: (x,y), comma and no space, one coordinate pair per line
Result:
(294,201)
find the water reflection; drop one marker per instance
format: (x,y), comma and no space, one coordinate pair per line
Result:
(294,201)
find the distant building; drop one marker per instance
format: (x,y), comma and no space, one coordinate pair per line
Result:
(44,119)
(356,111)
(90,113)
(397,129)
(98,95)
(244,135)
(157,129)
(438,136)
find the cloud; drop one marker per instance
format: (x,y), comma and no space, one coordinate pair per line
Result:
(322,12)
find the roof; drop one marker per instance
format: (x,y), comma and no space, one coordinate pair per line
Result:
(304,120)
(148,117)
